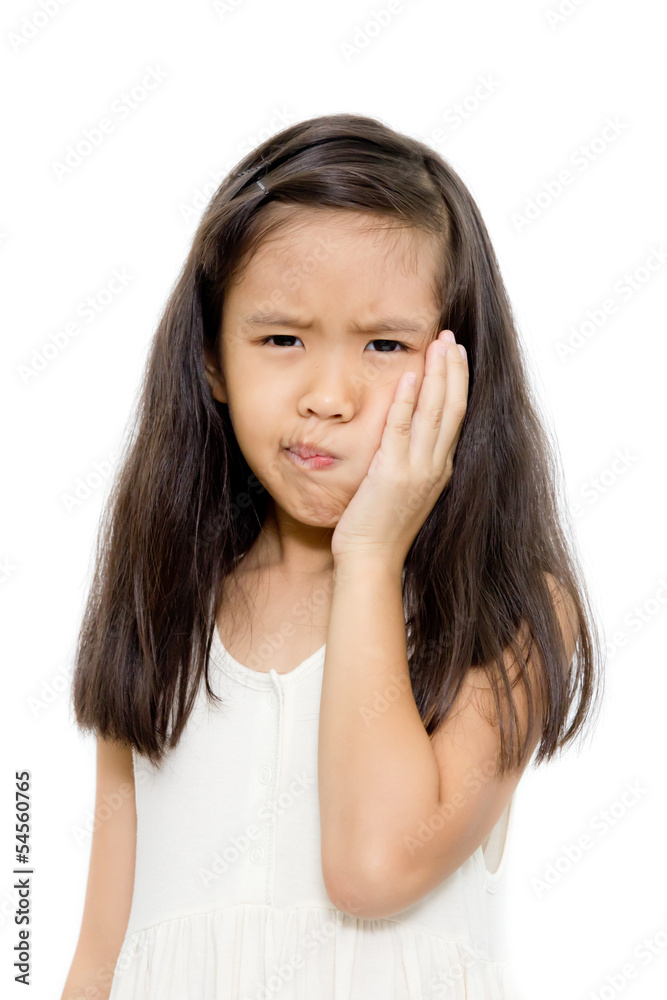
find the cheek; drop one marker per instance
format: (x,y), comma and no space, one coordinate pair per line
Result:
(250,402)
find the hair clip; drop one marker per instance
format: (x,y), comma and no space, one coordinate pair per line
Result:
(265,190)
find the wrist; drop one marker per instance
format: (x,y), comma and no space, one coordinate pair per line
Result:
(352,564)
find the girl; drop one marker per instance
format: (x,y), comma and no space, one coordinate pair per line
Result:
(334,611)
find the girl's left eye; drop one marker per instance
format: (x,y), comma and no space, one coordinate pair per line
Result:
(403,347)
(285,336)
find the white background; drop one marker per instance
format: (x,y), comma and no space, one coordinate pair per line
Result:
(230,79)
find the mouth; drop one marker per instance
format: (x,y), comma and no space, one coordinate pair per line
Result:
(311,457)
(310,451)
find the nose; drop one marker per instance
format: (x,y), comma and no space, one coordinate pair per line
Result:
(329,392)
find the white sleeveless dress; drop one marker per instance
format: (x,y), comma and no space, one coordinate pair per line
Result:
(229,900)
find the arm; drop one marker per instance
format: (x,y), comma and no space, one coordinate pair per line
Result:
(383,782)
(110,878)
(376,769)
(399,811)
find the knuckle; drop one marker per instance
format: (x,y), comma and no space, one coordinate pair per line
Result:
(435,416)
(459,408)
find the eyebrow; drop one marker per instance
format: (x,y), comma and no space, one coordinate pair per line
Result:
(387,324)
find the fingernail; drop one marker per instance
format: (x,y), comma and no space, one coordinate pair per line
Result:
(462,350)
(449,336)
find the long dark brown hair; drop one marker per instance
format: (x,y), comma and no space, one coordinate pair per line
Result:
(185,507)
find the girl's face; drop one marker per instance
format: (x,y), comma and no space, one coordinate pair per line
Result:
(306,357)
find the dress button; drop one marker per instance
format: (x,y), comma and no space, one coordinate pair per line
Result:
(273,700)
(257,854)
(265,774)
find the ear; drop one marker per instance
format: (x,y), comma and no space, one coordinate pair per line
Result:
(214,376)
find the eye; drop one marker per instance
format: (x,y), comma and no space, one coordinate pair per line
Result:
(279,336)
(404,348)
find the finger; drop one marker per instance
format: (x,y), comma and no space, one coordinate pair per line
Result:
(455,406)
(396,435)
(430,405)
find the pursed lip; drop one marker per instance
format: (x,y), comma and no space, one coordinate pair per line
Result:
(307,450)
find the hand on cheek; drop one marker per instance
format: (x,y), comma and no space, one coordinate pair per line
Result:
(414,461)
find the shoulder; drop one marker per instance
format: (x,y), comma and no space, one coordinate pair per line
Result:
(568,617)
(568,620)
(516,697)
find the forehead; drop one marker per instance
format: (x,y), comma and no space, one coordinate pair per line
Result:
(316,255)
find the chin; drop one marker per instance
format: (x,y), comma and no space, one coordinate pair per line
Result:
(316,519)
(315,514)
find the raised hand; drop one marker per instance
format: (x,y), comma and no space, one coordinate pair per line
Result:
(414,462)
